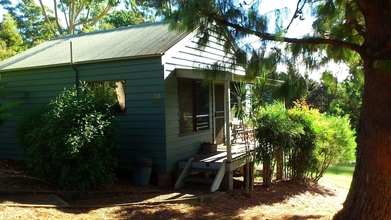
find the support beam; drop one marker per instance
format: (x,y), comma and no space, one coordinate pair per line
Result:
(227,120)
(228,129)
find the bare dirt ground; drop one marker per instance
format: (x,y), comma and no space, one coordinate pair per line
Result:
(123,200)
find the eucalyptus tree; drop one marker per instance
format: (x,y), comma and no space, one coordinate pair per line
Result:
(354,31)
(68,17)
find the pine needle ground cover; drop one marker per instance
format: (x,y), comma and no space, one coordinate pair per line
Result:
(282,200)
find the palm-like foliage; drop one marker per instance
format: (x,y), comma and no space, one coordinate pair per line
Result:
(5,106)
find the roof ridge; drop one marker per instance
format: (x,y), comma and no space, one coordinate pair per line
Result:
(108,30)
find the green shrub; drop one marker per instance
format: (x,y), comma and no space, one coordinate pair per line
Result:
(71,142)
(336,144)
(274,131)
(28,122)
(311,140)
(302,160)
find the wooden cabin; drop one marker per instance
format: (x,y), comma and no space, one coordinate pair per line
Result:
(168,110)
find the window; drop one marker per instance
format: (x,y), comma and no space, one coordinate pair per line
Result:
(114,90)
(193,106)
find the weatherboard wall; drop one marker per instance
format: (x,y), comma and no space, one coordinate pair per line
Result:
(186,56)
(143,132)
(38,86)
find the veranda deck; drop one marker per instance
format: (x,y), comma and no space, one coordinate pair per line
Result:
(214,160)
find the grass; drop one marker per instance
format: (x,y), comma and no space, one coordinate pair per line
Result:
(340,175)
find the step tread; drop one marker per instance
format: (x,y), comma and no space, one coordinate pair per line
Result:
(198,179)
(202,170)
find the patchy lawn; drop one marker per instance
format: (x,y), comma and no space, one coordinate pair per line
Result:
(341,175)
(283,200)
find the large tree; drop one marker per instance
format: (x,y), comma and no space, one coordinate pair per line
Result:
(70,16)
(31,22)
(355,31)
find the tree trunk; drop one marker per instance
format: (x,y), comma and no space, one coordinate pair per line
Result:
(266,173)
(370,192)
(280,164)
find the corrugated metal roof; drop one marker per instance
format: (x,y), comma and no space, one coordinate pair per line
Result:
(129,42)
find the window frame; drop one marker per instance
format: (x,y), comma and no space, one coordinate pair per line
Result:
(195,112)
(104,82)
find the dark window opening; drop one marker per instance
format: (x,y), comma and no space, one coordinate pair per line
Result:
(193,106)
(113,90)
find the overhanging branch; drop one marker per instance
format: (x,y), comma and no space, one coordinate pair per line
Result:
(272,37)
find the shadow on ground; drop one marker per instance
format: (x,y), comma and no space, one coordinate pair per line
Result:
(152,202)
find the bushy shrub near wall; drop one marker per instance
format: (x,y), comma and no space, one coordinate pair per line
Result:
(70,143)
(310,140)
(6,107)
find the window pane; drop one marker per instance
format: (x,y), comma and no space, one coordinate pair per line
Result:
(185,95)
(112,90)
(202,106)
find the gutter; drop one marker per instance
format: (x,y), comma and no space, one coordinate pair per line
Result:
(83,62)
(74,68)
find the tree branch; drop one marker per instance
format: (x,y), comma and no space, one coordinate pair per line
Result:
(59,29)
(272,37)
(72,17)
(98,18)
(298,11)
(65,15)
(80,10)
(46,16)
(358,27)
(88,14)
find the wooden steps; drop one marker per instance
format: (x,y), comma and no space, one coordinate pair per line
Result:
(195,179)
(198,170)
(201,175)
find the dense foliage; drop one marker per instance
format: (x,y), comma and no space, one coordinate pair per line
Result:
(311,140)
(5,107)
(11,41)
(70,141)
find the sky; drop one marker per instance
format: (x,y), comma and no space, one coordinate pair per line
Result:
(297,29)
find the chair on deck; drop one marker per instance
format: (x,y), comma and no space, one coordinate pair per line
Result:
(237,129)
(241,131)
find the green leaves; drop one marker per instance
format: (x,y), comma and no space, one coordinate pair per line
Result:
(7,105)
(311,141)
(274,128)
(11,41)
(72,144)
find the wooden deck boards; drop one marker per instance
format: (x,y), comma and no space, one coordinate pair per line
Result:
(237,150)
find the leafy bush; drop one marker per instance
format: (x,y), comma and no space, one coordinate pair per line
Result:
(31,120)
(336,144)
(71,142)
(275,131)
(311,140)
(302,160)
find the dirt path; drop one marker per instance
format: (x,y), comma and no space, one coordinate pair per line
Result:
(122,200)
